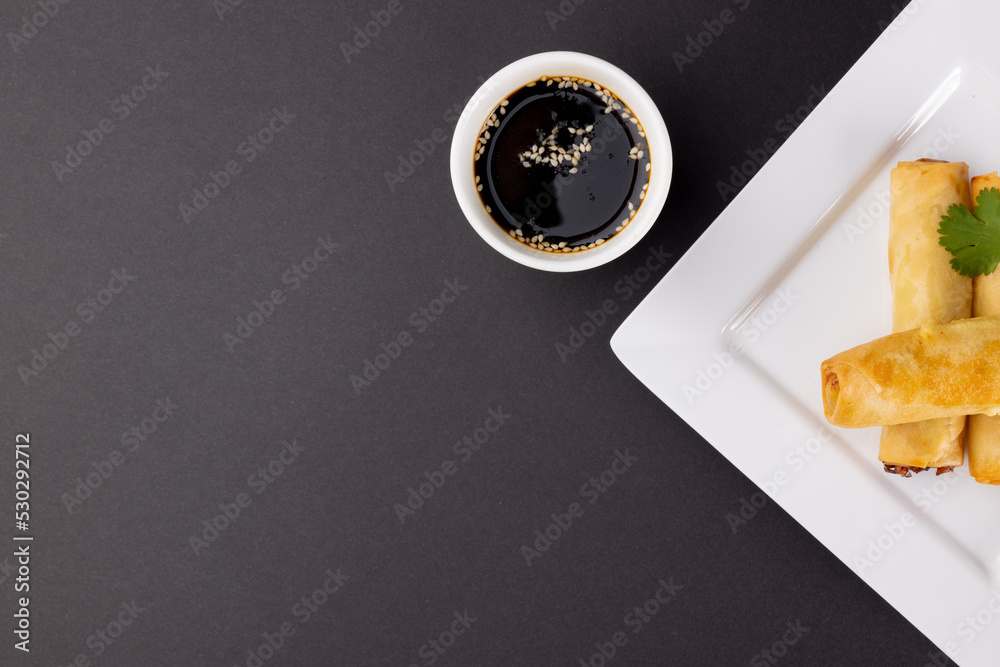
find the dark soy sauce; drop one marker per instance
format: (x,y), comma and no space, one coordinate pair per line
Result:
(562,164)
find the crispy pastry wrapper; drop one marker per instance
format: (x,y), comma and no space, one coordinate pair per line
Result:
(925,290)
(984,431)
(934,372)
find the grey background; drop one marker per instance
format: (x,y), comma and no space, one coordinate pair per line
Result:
(493,348)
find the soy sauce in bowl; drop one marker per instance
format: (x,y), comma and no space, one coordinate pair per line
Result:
(562,164)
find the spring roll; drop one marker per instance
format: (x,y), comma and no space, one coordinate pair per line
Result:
(984,431)
(925,290)
(938,371)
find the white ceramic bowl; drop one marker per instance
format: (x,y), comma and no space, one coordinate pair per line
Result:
(512,77)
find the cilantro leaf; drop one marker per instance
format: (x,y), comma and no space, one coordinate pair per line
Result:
(973,237)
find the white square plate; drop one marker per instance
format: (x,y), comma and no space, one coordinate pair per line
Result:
(794,271)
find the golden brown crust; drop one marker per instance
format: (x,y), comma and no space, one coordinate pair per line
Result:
(934,372)
(984,432)
(925,290)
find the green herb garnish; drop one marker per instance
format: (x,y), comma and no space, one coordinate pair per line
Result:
(973,237)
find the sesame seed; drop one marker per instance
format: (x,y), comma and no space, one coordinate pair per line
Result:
(567,250)
(487,134)
(635,149)
(647,166)
(617,106)
(633,121)
(607,110)
(480,187)
(590,128)
(502,111)
(530,85)
(533,245)
(549,82)
(642,195)
(541,237)
(573,170)
(544,78)
(618,228)
(519,232)
(599,241)
(631,207)
(477,179)
(505,103)
(562,244)
(576,87)
(489,210)
(641,154)
(511,232)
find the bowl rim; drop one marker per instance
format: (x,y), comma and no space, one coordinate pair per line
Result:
(509,79)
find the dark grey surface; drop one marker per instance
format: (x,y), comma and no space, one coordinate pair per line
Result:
(493,348)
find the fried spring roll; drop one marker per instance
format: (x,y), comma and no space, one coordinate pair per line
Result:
(984,431)
(925,290)
(934,372)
